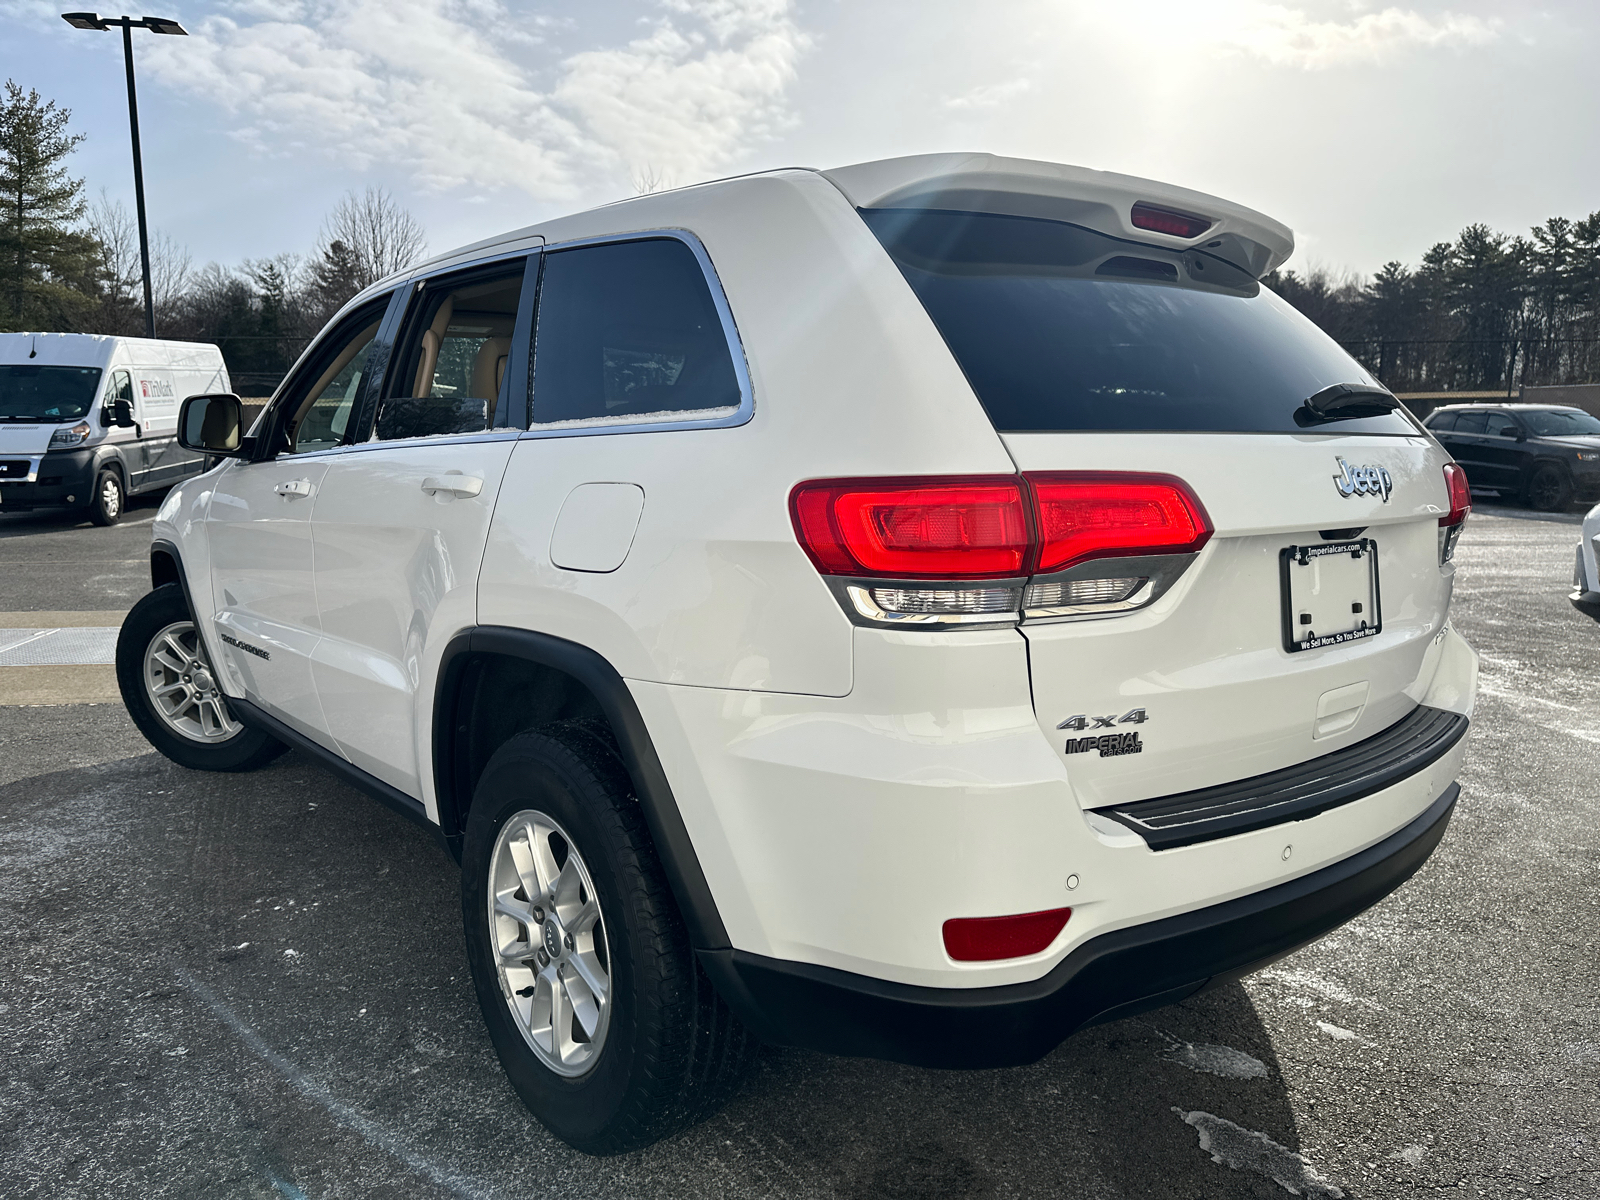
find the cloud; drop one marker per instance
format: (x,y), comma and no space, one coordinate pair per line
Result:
(1288,37)
(990,95)
(448,91)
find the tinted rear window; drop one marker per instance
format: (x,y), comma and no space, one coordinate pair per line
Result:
(30,393)
(1061,328)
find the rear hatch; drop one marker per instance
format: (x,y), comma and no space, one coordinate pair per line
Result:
(1304,623)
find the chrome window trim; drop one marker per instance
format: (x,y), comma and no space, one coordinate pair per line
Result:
(730,333)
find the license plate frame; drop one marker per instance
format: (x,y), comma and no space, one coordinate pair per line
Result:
(1304,592)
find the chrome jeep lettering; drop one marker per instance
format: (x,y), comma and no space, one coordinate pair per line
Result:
(1367,480)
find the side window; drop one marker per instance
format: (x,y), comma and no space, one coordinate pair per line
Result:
(1501,425)
(1470,422)
(450,364)
(121,389)
(320,415)
(628,330)
(1442,422)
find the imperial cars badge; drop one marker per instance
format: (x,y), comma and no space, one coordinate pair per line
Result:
(1363,481)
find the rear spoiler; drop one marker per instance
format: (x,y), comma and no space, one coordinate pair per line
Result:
(1097,200)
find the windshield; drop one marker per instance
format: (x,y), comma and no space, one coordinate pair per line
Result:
(1559,422)
(29,393)
(1061,328)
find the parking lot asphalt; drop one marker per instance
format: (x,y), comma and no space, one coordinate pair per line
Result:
(218,986)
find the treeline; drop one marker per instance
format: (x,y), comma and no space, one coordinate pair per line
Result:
(71,266)
(1485,312)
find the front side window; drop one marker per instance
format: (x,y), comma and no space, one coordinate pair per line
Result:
(629,331)
(1561,422)
(1061,328)
(320,415)
(1501,425)
(34,393)
(450,372)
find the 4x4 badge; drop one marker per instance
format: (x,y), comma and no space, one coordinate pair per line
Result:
(1134,716)
(1363,481)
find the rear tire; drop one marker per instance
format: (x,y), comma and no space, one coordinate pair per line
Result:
(650,1049)
(169,687)
(109,498)
(1549,488)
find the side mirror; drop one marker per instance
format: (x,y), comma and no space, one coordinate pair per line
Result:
(430,416)
(211,424)
(122,414)
(1521,435)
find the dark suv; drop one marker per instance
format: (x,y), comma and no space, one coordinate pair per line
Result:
(1545,455)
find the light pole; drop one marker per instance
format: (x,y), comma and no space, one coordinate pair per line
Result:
(129,24)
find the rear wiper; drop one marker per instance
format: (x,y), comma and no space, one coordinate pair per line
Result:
(1344,402)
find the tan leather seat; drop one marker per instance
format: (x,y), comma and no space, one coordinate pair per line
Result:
(489,369)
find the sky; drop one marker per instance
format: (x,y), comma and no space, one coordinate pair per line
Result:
(1373,131)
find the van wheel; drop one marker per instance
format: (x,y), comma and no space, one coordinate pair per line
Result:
(171,692)
(105,506)
(1549,489)
(603,1020)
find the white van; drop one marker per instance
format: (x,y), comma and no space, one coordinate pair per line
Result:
(88,420)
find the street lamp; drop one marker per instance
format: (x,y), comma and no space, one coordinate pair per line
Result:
(129,24)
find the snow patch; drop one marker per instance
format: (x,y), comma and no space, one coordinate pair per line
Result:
(1311,981)
(1244,1149)
(1216,1060)
(1336,1033)
(1410,1155)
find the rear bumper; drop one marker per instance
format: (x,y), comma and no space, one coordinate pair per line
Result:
(1588,603)
(1110,976)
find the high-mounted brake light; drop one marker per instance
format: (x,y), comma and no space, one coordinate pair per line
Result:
(1451,524)
(1085,515)
(1166,220)
(973,527)
(985,939)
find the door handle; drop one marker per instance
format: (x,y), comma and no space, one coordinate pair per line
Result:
(294,487)
(455,485)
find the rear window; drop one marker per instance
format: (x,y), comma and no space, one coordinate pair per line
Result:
(1061,328)
(29,393)
(628,331)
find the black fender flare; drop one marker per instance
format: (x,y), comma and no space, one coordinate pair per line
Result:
(605,683)
(111,456)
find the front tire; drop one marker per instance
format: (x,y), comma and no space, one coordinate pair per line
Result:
(603,1020)
(170,689)
(109,498)
(1549,488)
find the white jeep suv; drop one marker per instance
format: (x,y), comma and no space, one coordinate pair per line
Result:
(913,610)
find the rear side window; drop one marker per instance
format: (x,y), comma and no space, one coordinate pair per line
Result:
(1470,422)
(1442,422)
(1061,328)
(628,331)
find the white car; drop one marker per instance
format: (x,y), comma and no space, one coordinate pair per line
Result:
(1586,574)
(87,420)
(913,610)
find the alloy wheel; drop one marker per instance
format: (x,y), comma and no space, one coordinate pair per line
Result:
(110,497)
(183,688)
(549,942)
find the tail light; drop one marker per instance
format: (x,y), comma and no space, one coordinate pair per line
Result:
(985,939)
(953,532)
(1451,525)
(1084,516)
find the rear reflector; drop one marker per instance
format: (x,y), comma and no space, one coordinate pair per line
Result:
(1166,220)
(985,939)
(1086,515)
(974,527)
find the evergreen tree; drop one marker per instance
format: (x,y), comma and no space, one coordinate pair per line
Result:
(49,276)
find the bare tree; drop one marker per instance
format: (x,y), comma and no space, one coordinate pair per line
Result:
(378,236)
(648,179)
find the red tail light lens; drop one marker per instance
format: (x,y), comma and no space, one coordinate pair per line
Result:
(974,527)
(1455,483)
(985,939)
(1087,515)
(1165,220)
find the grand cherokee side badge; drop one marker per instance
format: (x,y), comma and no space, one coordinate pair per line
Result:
(1363,481)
